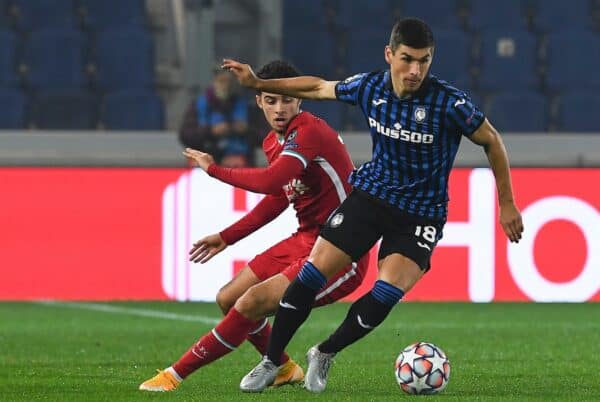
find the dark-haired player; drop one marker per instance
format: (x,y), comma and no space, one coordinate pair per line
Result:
(308,167)
(416,122)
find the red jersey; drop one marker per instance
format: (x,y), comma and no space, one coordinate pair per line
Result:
(308,167)
(322,185)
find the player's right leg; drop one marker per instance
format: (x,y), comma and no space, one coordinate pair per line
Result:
(263,299)
(351,230)
(348,234)
(341,285)
(269,264)
(259,302)
(235,288)
(302,297)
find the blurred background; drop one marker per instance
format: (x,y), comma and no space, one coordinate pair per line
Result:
(98,97)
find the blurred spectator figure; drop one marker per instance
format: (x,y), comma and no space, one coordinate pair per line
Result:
(217,122)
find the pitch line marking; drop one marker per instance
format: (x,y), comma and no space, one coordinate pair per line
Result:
(105,308)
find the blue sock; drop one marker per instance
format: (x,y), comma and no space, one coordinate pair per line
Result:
(386,293)
(311,277)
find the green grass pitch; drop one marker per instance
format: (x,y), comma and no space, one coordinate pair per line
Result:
(101,352)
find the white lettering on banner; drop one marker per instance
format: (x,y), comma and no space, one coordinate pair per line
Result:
(521,259)
(478,234)
(196,206)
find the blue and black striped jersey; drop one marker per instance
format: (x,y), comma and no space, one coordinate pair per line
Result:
(415,140)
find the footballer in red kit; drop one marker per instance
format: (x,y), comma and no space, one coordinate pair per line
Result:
(308,167)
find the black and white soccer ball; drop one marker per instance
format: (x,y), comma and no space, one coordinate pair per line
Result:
(422,368)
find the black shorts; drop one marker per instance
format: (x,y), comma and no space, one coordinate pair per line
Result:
(357,224)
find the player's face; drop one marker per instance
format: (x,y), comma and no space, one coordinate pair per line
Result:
(408,67)
(278,109)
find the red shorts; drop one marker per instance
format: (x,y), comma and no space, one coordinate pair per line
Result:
(288,256)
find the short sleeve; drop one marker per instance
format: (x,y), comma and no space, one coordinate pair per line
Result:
(465,116)
(348,90)
(303,143)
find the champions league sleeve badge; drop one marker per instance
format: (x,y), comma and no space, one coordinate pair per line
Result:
(353,78)
(292,136)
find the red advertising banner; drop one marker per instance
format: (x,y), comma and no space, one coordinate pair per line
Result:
(108,234)
(86,234)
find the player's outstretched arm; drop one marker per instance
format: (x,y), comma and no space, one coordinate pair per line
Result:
(269,180)
(206,248)
(305,87)
(510,217)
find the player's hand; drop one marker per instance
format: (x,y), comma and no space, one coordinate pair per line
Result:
(205,249)
(511,221)
(202,159)
(243,72)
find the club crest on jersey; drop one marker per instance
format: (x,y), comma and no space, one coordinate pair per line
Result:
(336,220)
(420,114)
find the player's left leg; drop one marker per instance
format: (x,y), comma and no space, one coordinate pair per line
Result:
(397,275)
(262,301)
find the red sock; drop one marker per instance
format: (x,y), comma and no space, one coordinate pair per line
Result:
(259,337)
(224,338)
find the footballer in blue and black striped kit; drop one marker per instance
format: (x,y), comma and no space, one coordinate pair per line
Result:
(416,122)
(415,139)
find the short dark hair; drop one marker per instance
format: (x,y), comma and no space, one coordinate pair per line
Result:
(277,69)
(411,32)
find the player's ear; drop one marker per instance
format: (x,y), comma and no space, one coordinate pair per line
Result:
(388,54)
(259,101)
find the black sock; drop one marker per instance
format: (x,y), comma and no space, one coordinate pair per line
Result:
(367,311)
(294,308)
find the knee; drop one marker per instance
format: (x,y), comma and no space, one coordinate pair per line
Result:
(225,301)
(254,304)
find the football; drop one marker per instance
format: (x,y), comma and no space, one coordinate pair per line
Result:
(422,368)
